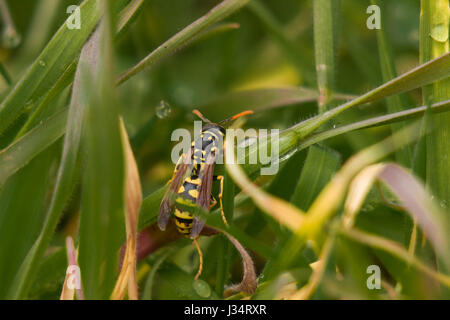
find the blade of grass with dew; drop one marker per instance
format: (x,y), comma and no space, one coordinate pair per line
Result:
(424,74)
(293,139)
(330,198)
(101,230)
(388,72)
(151,202)
(443,106)
(419,76)
(22,151)
(221,11)
(127,15)
(434,41)
(41,110)
(325,18)
(51,63)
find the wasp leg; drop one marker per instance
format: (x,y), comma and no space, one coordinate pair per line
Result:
(200,255)
(222,213)
(213,202)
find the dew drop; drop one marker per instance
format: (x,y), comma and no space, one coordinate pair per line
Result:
(42,63)
(29,105)
(10,38)
(439,32)
(163,110)
(443,204)
(201,288)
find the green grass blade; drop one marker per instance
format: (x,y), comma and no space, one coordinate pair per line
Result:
(48,67)
(30,145)
(434,41)
(42,108)
(282,186)
(37,140)
(103,196)
(5,74)
(320,166)
(424,74)
(394,103)
(325,16)
(259,100)
(374,122)
(216,14)
(21,215)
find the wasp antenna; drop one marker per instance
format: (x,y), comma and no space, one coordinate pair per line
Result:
(244,113)
(198,114)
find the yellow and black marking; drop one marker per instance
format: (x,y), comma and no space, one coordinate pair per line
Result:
(210,141)
(194,191)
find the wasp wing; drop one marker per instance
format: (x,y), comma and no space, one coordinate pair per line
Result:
(167,202)
(204,193)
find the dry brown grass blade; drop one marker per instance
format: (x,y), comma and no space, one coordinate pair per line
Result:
(358,190)
(133,200)
(249,282)
(410,192)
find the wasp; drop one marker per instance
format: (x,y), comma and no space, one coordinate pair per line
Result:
(192,180)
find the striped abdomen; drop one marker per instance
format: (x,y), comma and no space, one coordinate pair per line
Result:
(186,196)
